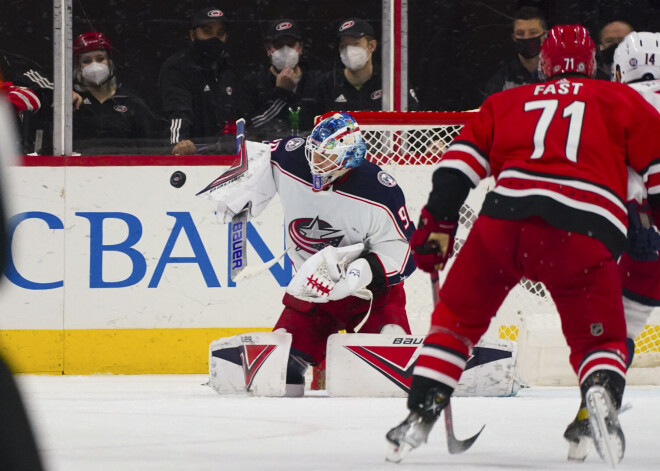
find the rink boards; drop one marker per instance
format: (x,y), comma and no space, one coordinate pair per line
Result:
(114,270)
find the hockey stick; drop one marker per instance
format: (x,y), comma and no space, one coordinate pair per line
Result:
(454,445)
(238,228)
(238,169)
(250,272)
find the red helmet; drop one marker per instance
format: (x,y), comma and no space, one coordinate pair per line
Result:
(568,49)
(91,42)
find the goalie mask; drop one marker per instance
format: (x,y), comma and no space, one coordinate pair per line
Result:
(637,58)
(334,147)
(568,49)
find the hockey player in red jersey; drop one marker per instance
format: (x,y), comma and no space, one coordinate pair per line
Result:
(637,63)
(557,215)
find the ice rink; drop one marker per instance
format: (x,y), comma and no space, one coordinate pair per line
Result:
(104,422)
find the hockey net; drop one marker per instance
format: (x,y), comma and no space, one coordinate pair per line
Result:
(407,145)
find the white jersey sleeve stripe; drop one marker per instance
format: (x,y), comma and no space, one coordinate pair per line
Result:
(588,207)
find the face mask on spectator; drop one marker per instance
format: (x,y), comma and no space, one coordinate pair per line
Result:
(284,57)
(96,73)
(606,55)
(210,50)
(529,47)
(354,57)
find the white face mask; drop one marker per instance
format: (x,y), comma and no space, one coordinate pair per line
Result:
(284,57)
(96,73)
(354,57)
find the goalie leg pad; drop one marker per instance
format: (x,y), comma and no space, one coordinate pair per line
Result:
(381,365)
(252,363)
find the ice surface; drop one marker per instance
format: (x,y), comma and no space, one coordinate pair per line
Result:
(173,422)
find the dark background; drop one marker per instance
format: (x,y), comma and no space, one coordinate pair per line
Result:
(455,46)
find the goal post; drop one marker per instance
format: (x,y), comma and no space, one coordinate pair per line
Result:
(408,145)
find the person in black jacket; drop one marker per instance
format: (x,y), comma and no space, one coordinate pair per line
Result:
(201,95)
(284,93)
(358,86)
(107,117)
(529,31)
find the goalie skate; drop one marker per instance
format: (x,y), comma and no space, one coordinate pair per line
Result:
(408,435)
(605,428)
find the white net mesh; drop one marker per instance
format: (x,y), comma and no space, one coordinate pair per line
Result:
(407,145)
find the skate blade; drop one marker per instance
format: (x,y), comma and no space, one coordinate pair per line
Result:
(395,453)
(607,435)
(579,451)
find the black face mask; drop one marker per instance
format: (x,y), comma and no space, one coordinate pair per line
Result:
(606,56)
(210,50)
(528,48)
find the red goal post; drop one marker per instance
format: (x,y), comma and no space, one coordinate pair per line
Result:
(407,145)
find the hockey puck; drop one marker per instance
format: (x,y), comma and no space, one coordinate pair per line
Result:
(177,179)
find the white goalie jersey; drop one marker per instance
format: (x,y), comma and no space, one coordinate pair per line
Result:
(364,206)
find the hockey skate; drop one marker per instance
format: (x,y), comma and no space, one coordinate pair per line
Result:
(597,421)
(578,435)
(604,422)
(415,429)
(408,435)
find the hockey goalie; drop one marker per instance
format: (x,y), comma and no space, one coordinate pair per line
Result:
(347,231)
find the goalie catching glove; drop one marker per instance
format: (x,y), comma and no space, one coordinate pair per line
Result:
(332,274)
(432,242)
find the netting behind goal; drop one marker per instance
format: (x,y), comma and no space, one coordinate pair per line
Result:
(407,145)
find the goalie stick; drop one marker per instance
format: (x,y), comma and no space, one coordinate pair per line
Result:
(238,228)
(250,272)
(238,169)
(454,445)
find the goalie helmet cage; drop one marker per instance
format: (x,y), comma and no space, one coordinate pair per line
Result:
(407,145)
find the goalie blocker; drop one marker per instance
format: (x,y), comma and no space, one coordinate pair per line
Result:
(371,365)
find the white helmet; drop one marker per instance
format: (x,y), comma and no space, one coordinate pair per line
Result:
(637,58)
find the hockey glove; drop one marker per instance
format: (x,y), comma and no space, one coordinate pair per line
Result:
(643,237)
(432,242)
(318,277)
(22,98)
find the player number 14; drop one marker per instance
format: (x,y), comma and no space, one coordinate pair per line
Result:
(574,112)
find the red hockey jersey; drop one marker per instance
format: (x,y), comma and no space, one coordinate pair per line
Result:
(559,150)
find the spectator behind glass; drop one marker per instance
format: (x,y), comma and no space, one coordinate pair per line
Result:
(529,31)
(106,115)
(358,86)
(609,38)
(199,89)
(284,91)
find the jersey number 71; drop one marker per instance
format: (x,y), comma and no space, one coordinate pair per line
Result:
(574,112)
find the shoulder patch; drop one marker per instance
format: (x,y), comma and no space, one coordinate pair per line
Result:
(386,179)
(274,144)
(294,143)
